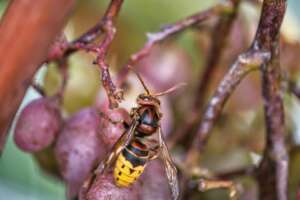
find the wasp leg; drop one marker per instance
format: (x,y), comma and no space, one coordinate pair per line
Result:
(206,184)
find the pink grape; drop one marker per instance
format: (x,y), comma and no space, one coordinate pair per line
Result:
(111,132)
(172,63)
(38,125)
(154,182)
(104,188)
(79,148)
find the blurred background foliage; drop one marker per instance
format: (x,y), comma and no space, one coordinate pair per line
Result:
(239,131)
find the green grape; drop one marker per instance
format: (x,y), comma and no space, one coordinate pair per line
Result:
(82,87)
(47,161)
(52,80)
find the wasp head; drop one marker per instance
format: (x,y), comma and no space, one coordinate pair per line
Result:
(148,100)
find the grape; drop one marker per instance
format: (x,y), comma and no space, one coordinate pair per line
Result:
(111,132)
(52,79)
(79,148)
(165,67)
(155,183)
(104,188)
(38,125)
(83,85)
(47,162)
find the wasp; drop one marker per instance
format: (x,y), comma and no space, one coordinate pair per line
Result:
(142,142)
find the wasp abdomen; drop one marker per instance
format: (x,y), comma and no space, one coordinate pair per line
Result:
(130,164)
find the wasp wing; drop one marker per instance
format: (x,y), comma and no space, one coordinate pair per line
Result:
(117,148)
(170,168)
(106,163)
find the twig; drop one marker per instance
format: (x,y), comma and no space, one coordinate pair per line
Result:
(245,63)
(21,57)
(245,171)
(106,27)
(216,51)
(196,176)
(80,43)
(169,30)
(206,184)
(223,26)
(113,94)
(273,171)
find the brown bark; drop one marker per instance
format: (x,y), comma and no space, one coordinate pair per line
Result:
(273,170)
(27,30)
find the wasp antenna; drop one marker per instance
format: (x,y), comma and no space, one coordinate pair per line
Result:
(140,78)
(179,85)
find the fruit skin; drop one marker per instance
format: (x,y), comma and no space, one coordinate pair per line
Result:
(154,182)
(165,67)
(83,85)
(111,132)
(47,162)
(79,148)
(38,125)
(104,188)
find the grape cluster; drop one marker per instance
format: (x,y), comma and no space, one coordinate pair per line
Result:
(79,143)
(70,134)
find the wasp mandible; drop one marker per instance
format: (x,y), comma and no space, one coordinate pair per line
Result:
(143,141)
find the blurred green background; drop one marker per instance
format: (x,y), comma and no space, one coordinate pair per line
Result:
(20,177)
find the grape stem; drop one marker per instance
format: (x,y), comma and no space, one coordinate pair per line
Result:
(104,27)
(264,53)
(224,26)
(83,41)
(169,30)
(114,95)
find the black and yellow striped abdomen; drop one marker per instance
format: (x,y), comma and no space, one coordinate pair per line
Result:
(130,164)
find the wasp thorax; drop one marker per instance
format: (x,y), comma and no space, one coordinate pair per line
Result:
(149,119)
